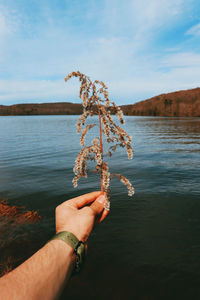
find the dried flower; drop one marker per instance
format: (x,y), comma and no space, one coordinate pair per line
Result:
(95,100)
(125,181)
(84,132)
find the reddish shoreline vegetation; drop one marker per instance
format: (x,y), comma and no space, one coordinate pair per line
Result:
(18,215)
(185,103)
(95,100)
(11,218)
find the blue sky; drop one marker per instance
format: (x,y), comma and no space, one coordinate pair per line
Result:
(139,48)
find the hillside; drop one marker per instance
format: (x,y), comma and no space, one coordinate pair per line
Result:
(184,103)
(60,108)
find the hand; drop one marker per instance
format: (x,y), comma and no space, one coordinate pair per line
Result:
(80,214)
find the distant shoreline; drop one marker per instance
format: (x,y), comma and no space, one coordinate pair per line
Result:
(185,103)
(59,108)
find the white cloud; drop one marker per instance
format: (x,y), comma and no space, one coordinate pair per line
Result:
(3,26)
(141,19)
(121,53)
(182,59)
(194,30)
(135,89)
(4,32)
(9,20)
(150,14)
(182,71)
(8,27)
(36,90)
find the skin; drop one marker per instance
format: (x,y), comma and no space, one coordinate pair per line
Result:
(44,275)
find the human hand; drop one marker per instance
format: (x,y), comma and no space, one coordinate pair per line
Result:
(80,214)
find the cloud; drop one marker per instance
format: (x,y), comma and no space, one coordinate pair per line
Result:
(4,33)
(37,91)
(3,26)
(152,14)
(8,27)
(140,20)
(9,21)
(114,41)
(175,71)
(194,30)
(182,59)
(155,82)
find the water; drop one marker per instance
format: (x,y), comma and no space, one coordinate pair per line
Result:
(149,246)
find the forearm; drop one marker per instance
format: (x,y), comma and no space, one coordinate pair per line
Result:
(42,276)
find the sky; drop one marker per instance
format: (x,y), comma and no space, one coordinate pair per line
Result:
(139,48)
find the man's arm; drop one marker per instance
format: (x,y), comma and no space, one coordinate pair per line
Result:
(44,275)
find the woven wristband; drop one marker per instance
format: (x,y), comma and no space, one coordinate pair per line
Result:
(78,246)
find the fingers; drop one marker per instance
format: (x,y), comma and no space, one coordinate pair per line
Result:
(103,216)
(82,200)
(98,205)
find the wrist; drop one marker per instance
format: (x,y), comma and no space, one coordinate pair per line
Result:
(65,250)
(80,236)
(76,245)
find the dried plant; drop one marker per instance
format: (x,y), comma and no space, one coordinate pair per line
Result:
(95,100)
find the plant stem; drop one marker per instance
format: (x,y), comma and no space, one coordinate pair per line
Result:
(101,143)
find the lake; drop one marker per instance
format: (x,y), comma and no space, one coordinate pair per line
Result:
(149,246)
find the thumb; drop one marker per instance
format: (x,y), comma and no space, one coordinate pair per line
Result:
(98,205)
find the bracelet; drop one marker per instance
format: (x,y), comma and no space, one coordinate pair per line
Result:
(78,246)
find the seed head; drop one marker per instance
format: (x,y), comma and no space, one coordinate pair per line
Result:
(95,99)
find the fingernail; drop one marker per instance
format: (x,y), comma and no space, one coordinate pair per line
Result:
(101,199)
